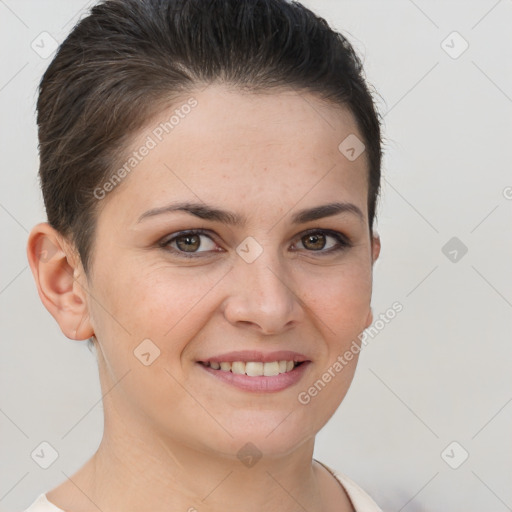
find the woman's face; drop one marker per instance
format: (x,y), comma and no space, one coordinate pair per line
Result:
(164,304)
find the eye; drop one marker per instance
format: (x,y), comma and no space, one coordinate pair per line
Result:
(317,240)
(188,243)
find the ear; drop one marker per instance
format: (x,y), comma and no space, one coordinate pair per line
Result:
(375,247)
(375,255)
(60,280)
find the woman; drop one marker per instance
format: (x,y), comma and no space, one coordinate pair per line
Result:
(210,171)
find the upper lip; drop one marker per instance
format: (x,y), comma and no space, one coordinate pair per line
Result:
(256,356)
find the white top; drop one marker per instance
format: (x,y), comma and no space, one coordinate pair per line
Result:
(359,499)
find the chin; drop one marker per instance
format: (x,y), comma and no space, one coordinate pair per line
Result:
(260,434)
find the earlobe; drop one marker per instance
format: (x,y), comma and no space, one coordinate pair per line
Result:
(55,268)
(375,255)
(375,247)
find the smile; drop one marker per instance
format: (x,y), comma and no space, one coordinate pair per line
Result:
(254,368)
(256,376)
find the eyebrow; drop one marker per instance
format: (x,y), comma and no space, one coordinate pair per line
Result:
(206,212)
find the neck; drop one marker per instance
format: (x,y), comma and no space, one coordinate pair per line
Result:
(133,473)
(141,468)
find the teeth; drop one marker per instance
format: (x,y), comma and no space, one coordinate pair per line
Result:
(238,367)
(271,369)
(255,368)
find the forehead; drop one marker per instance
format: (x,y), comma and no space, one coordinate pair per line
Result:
(248,150)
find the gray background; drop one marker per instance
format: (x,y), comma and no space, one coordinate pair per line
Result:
(437,373)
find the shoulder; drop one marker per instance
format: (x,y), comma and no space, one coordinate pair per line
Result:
(41,504)
(361,501)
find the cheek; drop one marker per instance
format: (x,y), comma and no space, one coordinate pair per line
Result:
(157,291)
(340,296)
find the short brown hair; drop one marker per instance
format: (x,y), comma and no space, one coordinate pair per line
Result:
(129,58)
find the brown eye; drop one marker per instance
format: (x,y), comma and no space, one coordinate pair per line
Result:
(315,241)
(324,241)
(188,243)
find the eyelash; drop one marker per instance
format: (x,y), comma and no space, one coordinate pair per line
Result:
(343,241)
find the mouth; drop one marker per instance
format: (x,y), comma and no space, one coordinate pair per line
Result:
(257,372)
(254,368)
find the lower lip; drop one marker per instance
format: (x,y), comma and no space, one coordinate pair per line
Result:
(259,384)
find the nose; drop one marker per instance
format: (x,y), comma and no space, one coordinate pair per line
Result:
(262,295)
